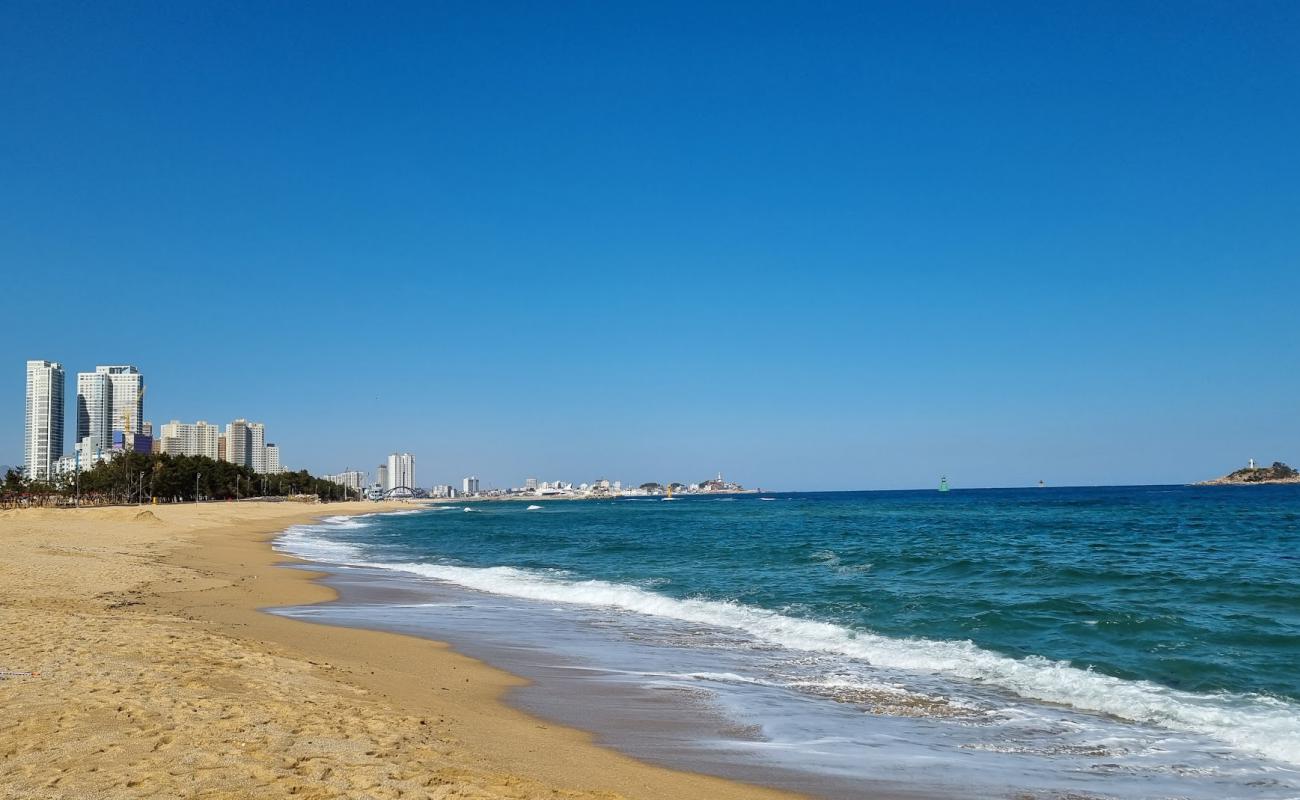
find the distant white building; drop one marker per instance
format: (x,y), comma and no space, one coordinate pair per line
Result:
(401,471)
(238,442)
(350,479)
(182,439)
(246,445)
(381,477)
(43,426)
(94,406)
(469,485)
(530,484)
(86,454)
(443,491)
(257,447)
(272,459)
(126,397)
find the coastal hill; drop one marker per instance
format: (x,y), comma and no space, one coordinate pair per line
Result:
(1278,473)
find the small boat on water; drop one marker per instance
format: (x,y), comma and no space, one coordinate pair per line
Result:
(943,483)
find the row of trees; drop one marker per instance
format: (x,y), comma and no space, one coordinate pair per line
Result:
(142,477)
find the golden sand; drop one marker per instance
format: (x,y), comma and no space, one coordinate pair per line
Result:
(159,678)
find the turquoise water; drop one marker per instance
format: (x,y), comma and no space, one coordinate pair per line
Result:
(1166,617)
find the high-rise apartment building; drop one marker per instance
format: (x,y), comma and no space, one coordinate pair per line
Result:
(110,401)
(246,444)
(126,393)
(94,407)
(353,480)
(257,447)
(238,443)
(470,485)
(382,477)
(401,471)
(183,439)
(272,459)
(207,440)
(43,428)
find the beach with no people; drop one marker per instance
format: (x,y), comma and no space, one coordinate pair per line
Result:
(156,675)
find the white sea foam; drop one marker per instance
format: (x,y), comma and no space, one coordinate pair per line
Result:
(306,541)
(714,677)
(1256,724)
(346,522)
(533,508)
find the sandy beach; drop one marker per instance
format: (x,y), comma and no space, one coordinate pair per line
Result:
(159,677)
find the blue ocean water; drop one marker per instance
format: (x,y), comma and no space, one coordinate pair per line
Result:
(1144,639)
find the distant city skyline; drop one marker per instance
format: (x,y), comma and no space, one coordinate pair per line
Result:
(107,418)
(847,247)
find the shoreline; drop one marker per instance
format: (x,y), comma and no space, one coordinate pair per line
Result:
(517,498)
(161,676)
(1267,482)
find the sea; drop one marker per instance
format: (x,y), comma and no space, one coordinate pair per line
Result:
(1116,642)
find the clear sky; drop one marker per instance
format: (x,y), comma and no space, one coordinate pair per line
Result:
(813,246)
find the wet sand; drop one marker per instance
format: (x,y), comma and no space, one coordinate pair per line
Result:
(159,677)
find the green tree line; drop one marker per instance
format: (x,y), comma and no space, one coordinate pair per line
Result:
(143,477)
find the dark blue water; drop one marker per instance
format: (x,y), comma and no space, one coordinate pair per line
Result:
(1165,619)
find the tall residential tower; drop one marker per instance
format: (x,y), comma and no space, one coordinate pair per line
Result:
(126,386)
(181,439)
(246,445)
(43,431)
(401,471)
(94,409)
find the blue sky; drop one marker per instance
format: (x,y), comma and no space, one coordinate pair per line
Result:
(809,245)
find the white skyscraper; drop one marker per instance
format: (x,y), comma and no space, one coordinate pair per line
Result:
(206,440)
(381,477)
(126,393)
(181,439)
(257,447)
(43,431)
(237,440)
(401,471)
(94,407)
(246,444)
(470,485)
(272,459)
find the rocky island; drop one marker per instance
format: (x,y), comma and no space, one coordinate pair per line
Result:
(1278,473)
